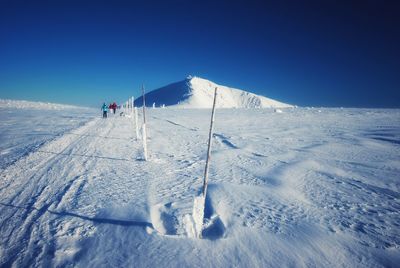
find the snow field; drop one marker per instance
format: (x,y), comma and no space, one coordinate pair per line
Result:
(43,106)
(26,129)
(298,188)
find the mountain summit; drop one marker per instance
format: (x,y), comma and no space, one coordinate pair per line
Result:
(196,92)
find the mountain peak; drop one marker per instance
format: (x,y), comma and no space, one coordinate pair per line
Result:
(196,92)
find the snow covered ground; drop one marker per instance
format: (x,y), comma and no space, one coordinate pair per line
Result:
(25,126)
(301,188)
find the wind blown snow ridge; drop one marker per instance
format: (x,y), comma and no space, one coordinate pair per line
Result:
(196,92)
(23,104)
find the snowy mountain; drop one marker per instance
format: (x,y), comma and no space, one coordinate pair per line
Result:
(196,92)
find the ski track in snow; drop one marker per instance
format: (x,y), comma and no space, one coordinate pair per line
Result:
(300,188)
(47,187)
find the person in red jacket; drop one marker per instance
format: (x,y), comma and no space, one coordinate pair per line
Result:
(114,107)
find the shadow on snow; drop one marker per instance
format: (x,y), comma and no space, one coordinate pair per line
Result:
(83,217)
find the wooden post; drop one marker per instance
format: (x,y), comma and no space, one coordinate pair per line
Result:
(133,104)
(144,105)
(144,126)
(205,181)
(199,202)
(136,122)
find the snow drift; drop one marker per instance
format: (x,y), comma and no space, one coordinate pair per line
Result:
(23,104)
(196,92)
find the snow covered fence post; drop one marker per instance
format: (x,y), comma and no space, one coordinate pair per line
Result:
(132,105)
(136,122)
(144,127)
(199,201)
(205,181)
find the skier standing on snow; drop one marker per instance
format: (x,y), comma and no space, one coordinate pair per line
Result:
(104,108)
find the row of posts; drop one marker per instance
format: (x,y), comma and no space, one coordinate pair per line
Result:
(132,111)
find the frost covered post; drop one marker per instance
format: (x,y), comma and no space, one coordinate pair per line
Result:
(199,201)
(144,127)
(133,114)
(136,122)
(132,104)
(205,181)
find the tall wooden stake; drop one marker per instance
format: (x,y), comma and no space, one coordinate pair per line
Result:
(132,104)
(205,181)
(144,126)
(136,122)
(144,105)
(195,226)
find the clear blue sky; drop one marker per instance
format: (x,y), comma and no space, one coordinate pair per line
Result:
(309,53)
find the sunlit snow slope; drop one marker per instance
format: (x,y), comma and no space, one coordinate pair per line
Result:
(22,104)
(195,92)
(26,125)
(301,188)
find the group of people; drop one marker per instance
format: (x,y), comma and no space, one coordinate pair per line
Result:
(112,107)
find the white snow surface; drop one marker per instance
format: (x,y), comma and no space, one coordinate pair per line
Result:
(23,104)
(202,94)
(303,188)
(25,126)
(196,92)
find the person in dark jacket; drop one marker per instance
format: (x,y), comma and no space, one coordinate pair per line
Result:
(104,108)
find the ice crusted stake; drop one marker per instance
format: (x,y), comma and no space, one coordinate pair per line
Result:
(205,182)
(198,215)
(136,122)
(199,201)
(144,128)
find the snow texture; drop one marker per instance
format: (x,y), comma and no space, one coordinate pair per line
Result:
(195,92)
(198,215)
(22,104)
(25,126)
(303,188)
